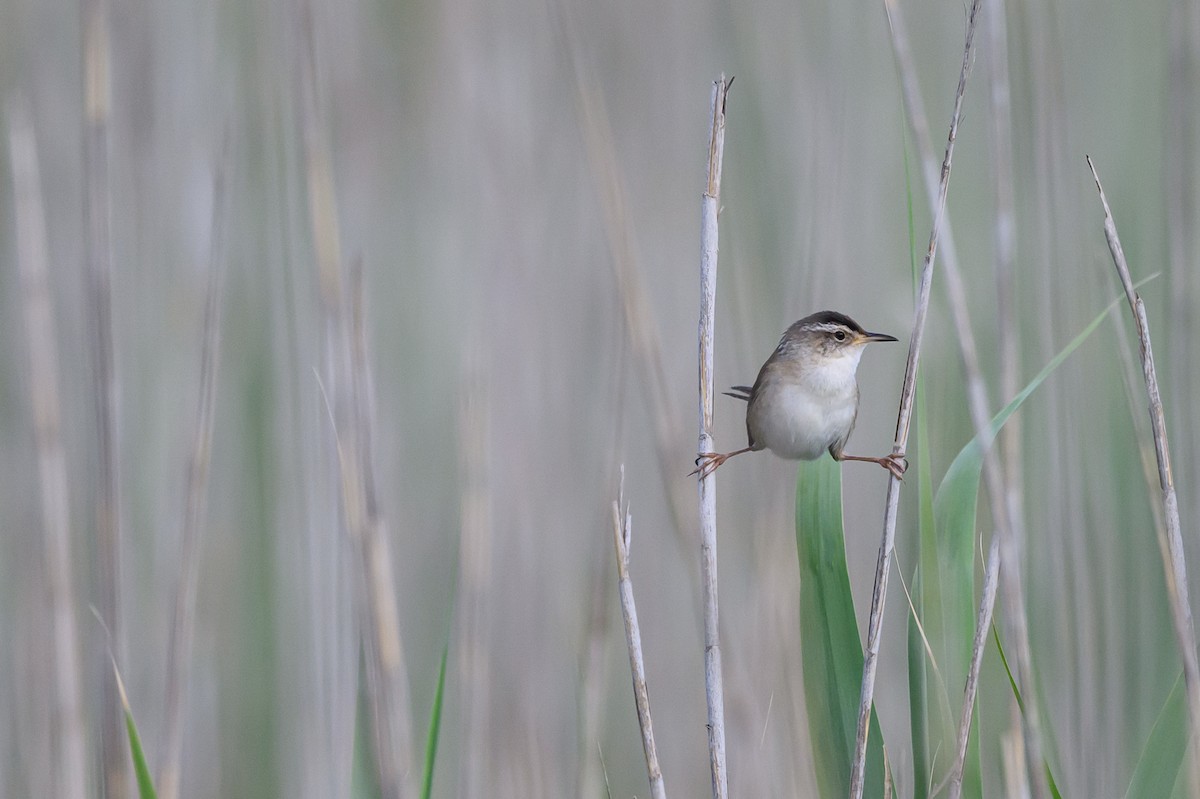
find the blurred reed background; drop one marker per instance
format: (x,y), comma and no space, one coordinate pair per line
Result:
(521,182)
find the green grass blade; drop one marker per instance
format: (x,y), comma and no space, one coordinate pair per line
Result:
(1157,768)
(1012,682)
(435,725)
(140,769)
(145,783)
(1055,793)
(831,650)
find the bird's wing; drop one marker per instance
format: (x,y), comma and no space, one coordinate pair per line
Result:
(838,447)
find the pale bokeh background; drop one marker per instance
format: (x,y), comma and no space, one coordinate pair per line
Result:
(473,145)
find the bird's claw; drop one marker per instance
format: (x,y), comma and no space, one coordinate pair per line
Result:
(706,463)
(895,463)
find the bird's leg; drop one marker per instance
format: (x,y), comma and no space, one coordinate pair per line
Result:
(896,464)
(708,462)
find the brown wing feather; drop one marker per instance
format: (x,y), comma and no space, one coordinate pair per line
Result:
(764,374)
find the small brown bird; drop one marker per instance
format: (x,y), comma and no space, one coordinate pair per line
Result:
(805,399)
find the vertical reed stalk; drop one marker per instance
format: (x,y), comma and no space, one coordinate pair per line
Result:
(475,585)
(387,675)
(1005,517)
(1002,472)
(69,776)
(179,648)
(1005,244)
(710,206)
(345,342)
(983,624)
(97,212)
(903,421)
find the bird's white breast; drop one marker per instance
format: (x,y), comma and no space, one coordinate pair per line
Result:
(800,418)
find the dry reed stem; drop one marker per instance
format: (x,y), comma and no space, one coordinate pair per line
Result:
(69,772)
(1005,256)
(623,539)
(179,647)
(1005,243)
(475,579)
(1129,380)
(385,646)
(903,421)
(326,536)
(710,205)
(345,341)
(97,211)
(1012,766)
(1174,567)
(983,623)
(1005,518)
(1006,317)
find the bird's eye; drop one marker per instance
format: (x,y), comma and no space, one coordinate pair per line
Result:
(840,335)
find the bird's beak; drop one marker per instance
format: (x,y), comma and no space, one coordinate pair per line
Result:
(878,337)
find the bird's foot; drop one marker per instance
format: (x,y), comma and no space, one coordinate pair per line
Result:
(707,463)
(895,463)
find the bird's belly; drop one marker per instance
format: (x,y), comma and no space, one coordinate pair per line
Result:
(801,424)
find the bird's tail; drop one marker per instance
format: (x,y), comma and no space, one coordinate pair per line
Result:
(739,392)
